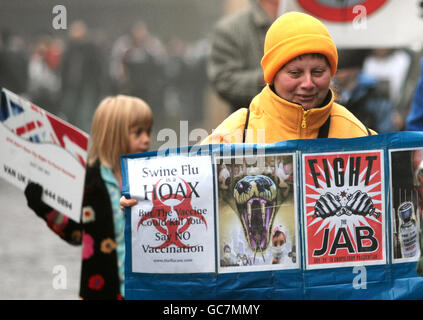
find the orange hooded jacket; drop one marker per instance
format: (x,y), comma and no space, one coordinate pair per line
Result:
(274,119)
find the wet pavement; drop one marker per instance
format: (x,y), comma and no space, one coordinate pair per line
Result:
(35,264)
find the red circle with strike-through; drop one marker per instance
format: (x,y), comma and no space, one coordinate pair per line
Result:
(340,13)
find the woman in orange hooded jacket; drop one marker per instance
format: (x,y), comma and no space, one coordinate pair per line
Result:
(300,59)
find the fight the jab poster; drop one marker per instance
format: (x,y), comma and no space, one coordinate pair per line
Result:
(344,210)
(173,223)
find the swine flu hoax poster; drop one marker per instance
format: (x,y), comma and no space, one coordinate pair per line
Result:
(173,222)
(306,219)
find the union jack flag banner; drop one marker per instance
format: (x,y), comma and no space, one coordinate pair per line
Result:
(39,146)
(301,219)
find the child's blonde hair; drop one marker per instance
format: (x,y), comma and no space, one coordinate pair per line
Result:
(112,121)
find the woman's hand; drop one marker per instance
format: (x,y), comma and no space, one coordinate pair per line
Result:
(124,202)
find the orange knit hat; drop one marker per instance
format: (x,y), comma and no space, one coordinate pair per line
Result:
(294,34)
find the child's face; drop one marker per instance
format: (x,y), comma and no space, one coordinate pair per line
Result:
(139,140)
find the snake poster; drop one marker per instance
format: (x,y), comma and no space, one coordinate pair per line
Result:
(257,213)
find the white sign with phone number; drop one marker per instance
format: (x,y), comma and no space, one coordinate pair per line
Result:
(38,147)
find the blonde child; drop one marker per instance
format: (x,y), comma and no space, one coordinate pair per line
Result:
(121,125)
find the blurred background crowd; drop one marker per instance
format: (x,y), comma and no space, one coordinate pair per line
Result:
(158,52)
(155,50)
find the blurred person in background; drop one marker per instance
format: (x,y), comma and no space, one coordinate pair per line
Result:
(236,50)
(196,58)
(83,76)
(13,63)
(186,80)
(137,65)
(176,77)
(391,68)
(44,74)
(415,117)
(361,93)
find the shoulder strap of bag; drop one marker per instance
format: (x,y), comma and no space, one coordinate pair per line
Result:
(324,130)
(244,134)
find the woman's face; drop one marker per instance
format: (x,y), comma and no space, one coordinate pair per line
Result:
(304,80)
(139,140)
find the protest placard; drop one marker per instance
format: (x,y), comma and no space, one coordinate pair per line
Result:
(406,199)
(257,213)
(40,147)
(173,223)
(306,219)
(345,214)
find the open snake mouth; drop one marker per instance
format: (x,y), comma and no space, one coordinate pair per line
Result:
(255,198)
